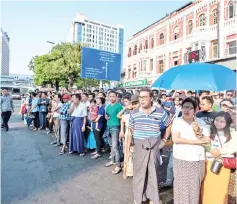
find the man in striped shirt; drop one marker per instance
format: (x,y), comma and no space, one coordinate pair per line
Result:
(144,124)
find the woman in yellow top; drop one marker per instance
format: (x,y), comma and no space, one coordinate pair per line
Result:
(130,103)
(223,144)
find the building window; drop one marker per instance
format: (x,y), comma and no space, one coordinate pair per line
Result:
(162,39)
(190,27)
(129,52)
(232,48)
(144,65)
(214,16)
(152,43)
(146,44)
(202,20)
(135,50)
(232,9)
(215,49)
(176,32)
(151,64)
(140,48)
(176,62)
(161,66)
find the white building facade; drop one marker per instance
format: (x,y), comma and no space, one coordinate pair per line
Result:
(4,53)
(96,34)
(189,34)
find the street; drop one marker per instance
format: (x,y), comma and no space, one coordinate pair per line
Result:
(34,173)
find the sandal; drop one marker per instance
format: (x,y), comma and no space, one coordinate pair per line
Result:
(61,153)
(117,170)
(96,156)
(94,153)
(82,154)
(109,164)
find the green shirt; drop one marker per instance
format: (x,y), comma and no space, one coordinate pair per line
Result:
(112,111)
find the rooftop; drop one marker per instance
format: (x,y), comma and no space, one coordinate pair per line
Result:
(167,15)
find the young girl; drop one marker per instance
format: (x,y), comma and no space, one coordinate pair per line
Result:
(223,144)
(91,143)
(94,112)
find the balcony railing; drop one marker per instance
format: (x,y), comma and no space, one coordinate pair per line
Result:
(230,22)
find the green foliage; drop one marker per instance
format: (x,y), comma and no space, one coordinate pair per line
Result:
(60,67)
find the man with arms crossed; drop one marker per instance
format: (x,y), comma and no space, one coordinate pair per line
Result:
(144,124)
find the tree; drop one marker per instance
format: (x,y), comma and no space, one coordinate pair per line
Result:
(31,64)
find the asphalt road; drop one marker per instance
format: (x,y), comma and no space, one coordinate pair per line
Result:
(34,173)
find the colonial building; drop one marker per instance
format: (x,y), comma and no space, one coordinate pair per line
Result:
(199,31)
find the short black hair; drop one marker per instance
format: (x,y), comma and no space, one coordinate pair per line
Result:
(189,100)
(189,92)
(146,89)
(226,99)
(33,94)
(102,100)
(114,92)
(77,96)
(86,94)
(209,99)
(103,93)
(92,94)
(127,96)
(96,90)
(93,101)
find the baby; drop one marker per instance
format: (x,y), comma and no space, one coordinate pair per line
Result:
(94,112)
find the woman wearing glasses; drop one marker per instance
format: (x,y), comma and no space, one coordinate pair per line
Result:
(188,134)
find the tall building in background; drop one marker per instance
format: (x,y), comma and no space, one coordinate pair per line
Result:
(96,34)
(4,53)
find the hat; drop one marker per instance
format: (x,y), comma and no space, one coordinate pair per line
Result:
(66,96)
(134,98)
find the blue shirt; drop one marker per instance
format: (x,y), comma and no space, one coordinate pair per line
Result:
(101,121)
(64,112)
(34,103)
(145,126)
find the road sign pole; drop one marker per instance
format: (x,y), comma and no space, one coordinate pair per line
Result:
(101,84)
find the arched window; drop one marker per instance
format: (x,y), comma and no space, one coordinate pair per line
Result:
(162,38)
(190,27)
(135,50)
(214,16)
(152,43)
(129,52)
(161,66)
(146,44)
(176,32)
(140,48)
(232,9)
(202,20)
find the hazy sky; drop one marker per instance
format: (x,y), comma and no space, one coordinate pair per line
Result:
(30,24)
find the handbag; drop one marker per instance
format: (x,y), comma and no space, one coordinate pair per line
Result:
(229,163)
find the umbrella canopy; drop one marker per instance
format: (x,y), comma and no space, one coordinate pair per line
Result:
(198,76)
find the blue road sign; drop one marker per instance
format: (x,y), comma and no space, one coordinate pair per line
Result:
(101,65)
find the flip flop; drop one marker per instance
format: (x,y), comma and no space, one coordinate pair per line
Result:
(109,164)
(96,156)
(61,153)
(117,170)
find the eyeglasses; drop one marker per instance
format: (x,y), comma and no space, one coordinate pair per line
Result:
(229,94)
(143,97)
(188,107)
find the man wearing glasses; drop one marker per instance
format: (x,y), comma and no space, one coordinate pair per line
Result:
(229,95)
(144,125)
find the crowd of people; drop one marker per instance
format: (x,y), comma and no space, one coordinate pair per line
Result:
(134,128)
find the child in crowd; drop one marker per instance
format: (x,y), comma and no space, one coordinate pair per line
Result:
(94,112)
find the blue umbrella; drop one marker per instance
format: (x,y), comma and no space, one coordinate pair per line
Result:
(197,76)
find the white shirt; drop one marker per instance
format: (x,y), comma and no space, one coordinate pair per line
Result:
(188,152)
(80,110)
(57,114)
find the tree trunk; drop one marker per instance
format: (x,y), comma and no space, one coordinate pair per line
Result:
(57,85)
